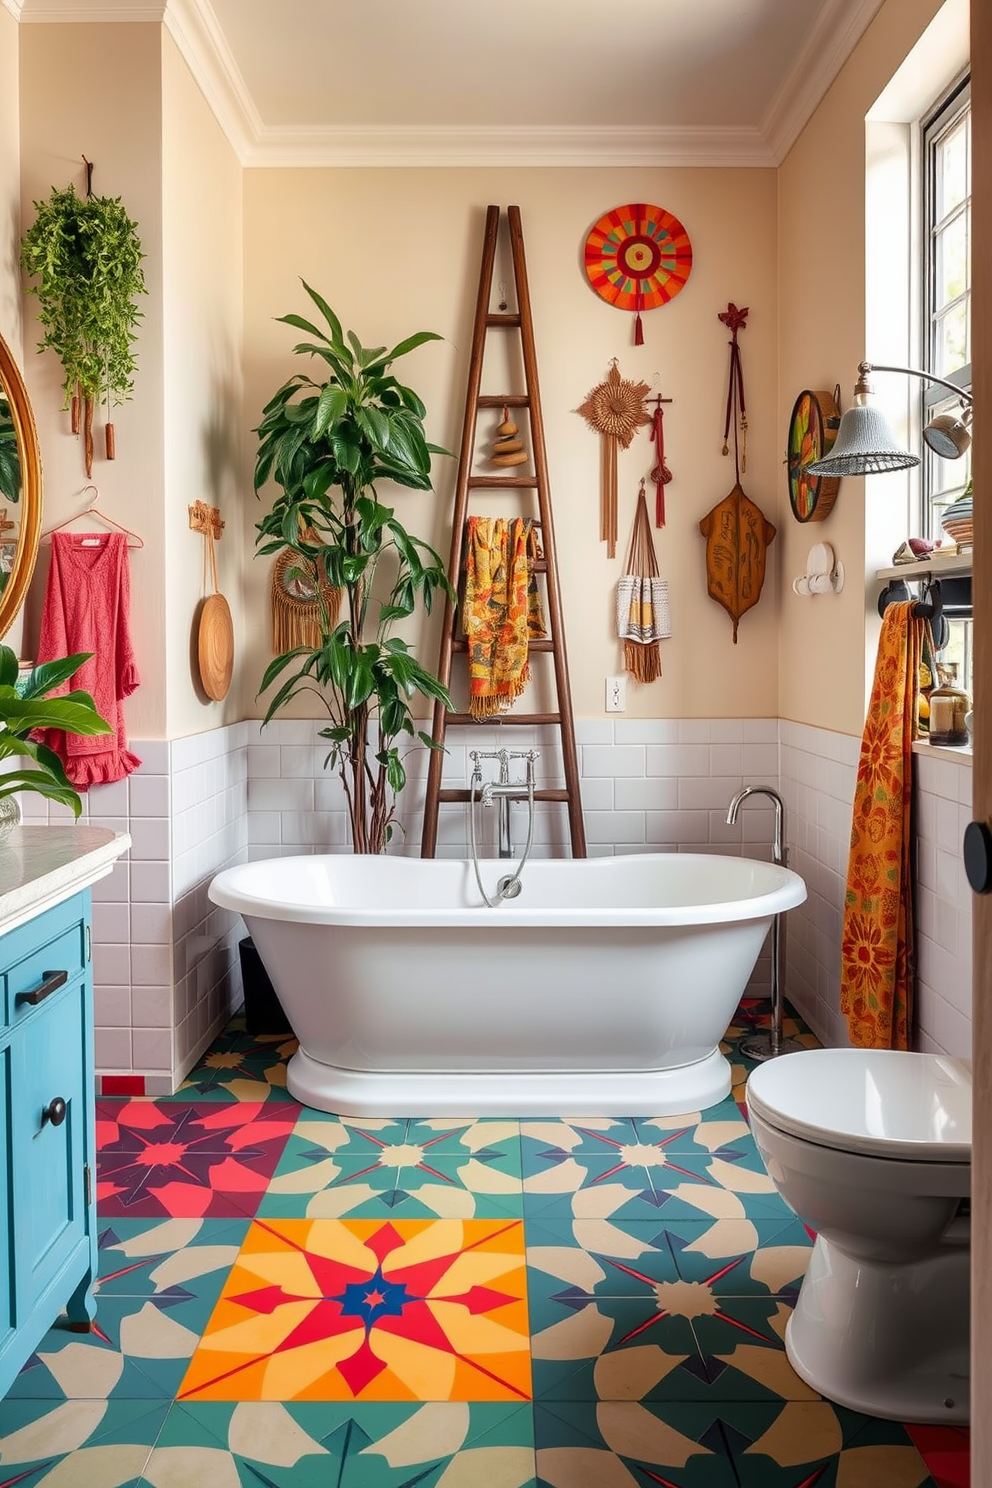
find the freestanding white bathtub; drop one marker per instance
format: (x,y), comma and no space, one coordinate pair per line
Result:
(603,989)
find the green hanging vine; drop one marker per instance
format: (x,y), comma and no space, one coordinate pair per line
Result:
(86,255)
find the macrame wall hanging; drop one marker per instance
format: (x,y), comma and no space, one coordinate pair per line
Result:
(614,409)
(638,257)
(300,598)
(642,602)
(737,534)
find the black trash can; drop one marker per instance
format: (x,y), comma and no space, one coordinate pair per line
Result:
(263,1010)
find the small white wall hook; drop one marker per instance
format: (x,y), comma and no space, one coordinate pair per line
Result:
(824,572)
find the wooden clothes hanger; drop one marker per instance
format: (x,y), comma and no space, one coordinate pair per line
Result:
(94,511)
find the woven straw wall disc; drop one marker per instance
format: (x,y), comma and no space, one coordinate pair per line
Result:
(215,647)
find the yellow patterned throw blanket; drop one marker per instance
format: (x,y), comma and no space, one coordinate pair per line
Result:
(877,945)
(501,611)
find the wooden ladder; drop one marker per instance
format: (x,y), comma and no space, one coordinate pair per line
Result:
(520,320)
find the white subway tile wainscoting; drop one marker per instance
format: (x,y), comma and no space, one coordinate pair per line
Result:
(166,963)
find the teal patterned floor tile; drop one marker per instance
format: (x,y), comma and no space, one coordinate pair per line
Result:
(92,1442)
(159,1283)
(711,1167)
(240,1066)
(814,1444)
(628,1442)
(333,1168)
(694,1311)
(344,1445)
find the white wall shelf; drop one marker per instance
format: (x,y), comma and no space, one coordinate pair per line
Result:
(956,565)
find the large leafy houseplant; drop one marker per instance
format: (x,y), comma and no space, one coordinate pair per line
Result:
(25,705)
(326,443)
(86,255)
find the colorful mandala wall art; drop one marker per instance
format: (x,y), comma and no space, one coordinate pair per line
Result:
(638,257)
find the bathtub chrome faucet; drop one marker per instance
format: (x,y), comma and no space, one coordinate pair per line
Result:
(502,791)
(768,1044)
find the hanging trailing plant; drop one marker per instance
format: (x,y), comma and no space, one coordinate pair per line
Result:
(86,255)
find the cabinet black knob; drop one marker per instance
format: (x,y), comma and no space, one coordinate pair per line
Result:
(54,1112)
(978,856)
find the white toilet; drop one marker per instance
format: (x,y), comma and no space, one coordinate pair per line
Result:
(872,1149)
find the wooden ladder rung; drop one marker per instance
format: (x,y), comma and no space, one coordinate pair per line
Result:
(462,794)
(504,318)
(502,400)
(523,482)
(460,644)
(503,719)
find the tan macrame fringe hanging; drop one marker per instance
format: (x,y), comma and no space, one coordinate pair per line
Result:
(642,602)
(614,409)
(297,589)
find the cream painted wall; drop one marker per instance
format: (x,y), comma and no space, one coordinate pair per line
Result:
(95,90)
(10,190)
(202,285)
(399,251)
(826,646)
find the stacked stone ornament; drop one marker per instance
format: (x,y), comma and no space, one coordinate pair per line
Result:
(507,448)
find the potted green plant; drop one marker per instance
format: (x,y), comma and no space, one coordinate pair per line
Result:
(25,705)
(326,443)
(86,256)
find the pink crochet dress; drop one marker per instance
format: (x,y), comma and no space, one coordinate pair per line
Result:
(86,609)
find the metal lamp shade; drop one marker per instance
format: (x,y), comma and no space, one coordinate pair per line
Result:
(947,435)
(865,445)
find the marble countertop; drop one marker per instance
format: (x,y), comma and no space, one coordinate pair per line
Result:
(41,866)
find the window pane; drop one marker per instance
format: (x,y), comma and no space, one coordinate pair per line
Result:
(951,341)
(951,260)
(952,167)
(958,651)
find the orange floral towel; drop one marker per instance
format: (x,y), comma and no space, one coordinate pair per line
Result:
(501,611)
(877,952)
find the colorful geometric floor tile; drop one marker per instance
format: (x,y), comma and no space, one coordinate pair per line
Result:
(946,1452)
(187,1161)
(289,1299)
(689,1166)
(271,1445)
(813,1444)
(687,1445)
(627,1442)
(241,1066)
(159,1283)
(370,1309)
(439,1169)
(78,1442)
(623,1310)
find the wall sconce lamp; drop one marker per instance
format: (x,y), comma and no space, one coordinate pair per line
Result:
(865,445)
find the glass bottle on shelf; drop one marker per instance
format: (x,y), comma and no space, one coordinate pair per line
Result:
(949,705)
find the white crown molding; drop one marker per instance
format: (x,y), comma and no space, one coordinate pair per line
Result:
(521,145)
(201,41)
(837,30)
(123,10)
(195,30)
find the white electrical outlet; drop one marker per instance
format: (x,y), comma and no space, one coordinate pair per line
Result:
(616,694)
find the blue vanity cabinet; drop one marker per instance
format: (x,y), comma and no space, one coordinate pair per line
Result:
(47,1128)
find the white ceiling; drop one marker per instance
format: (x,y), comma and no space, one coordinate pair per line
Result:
(519,82)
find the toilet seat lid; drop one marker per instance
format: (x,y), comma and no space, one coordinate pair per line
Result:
(880,1102)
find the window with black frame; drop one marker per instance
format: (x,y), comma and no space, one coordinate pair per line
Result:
(946,341)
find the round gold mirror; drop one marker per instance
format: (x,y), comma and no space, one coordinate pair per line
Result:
(20,489)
